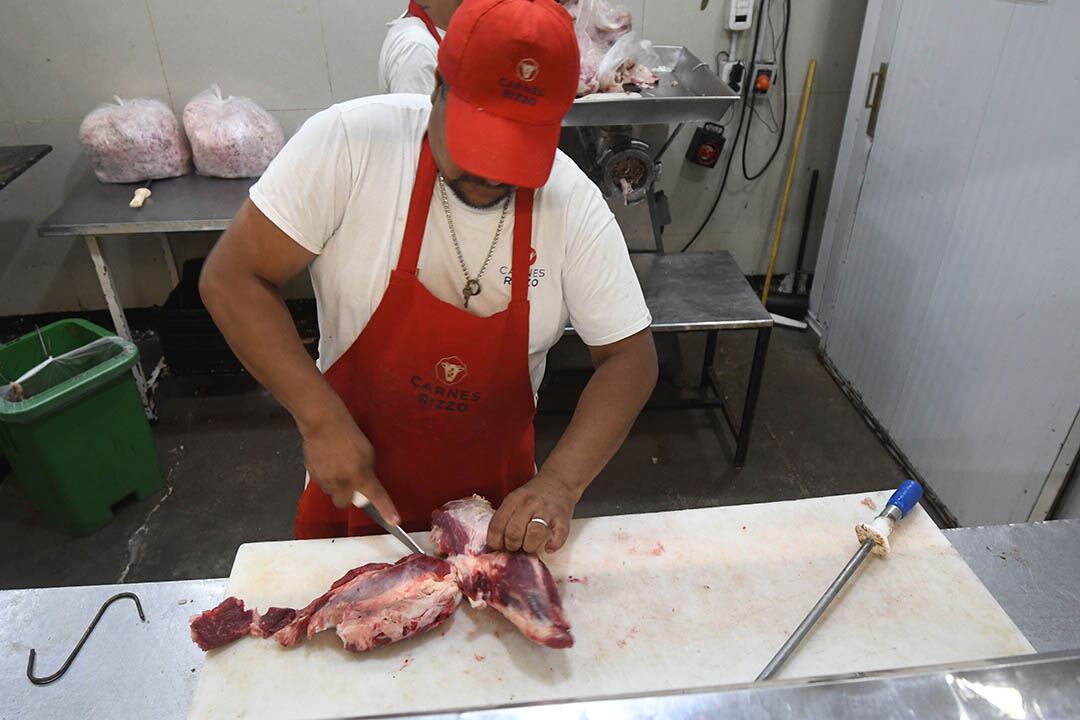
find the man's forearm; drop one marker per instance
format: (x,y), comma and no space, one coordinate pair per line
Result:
(607,409)
(259,328)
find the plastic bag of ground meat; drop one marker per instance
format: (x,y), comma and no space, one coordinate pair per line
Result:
(135,140)
(231,137)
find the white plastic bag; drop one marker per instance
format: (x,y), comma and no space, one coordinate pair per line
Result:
(601,20)
(54,370)
(599,26)
(134,140)
(627,63)
(231,137)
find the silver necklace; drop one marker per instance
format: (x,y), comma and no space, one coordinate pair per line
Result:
(472,284)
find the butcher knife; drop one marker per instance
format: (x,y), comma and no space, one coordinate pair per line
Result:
(360,501)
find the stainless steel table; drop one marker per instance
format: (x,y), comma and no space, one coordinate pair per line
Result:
(186,204)
(127,669)
(130,669)
(706,292)
(17,159)
(1033,571)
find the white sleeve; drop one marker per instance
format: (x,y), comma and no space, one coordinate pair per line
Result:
(307,186)
(412,69)
(601,289)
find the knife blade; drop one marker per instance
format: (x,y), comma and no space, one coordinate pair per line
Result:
(361,501)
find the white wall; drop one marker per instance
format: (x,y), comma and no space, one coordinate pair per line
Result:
(955,313)
(60,58)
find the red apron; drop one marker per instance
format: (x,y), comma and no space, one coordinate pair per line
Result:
(444,396)
(418,12)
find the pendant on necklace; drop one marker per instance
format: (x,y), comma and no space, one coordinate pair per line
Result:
(472,287)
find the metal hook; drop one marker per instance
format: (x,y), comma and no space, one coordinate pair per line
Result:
(71,658)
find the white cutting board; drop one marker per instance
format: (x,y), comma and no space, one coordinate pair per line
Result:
(661,601)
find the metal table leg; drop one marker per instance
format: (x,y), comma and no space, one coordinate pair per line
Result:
(116,310)
(746,422)
(170,258)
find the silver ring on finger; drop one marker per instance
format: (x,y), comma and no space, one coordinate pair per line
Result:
(541,521)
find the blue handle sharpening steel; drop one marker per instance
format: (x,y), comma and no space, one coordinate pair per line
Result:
(875,538)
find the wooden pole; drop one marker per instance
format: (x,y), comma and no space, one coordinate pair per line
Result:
(810,70)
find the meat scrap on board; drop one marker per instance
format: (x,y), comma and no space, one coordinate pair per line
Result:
(380,603)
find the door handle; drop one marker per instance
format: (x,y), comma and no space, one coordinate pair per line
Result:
(875,90)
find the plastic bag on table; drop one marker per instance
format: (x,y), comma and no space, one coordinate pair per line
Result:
(603,22)
(54,370)
(628,64)
(134,140)
(591,57)
(231,137)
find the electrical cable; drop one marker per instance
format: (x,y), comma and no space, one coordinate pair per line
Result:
(783,79)
(731,155)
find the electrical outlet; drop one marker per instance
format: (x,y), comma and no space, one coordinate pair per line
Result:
(732,73)
(764,77)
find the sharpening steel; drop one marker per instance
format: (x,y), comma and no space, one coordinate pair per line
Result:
(874,535)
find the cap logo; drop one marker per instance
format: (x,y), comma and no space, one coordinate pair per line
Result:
(528,69)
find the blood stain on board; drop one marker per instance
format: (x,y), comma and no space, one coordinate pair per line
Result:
(408,661)
(583,580)
(869,502)
(479,658)
(656,550)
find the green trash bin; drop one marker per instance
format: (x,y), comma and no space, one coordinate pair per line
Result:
(74,428)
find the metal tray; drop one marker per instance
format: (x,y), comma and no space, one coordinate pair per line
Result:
(697,93)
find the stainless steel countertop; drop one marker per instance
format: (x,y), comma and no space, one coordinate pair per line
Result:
(1032,687)
(688,90)
(127,669)
(191,203)
(1033,571)
(130,669)
(17,159)
(698,291)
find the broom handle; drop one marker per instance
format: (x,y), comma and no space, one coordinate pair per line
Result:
(810,70)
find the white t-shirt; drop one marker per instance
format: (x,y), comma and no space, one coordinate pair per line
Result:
(408,57)
(341,187)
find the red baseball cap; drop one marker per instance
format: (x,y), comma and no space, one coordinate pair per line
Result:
(512,68)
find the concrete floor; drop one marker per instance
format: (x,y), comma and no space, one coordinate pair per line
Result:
(234,471)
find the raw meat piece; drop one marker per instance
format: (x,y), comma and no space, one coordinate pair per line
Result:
(389,604)
(134,140)
(521,588)
(460,526)
(271,621)
(381,603)
(518,585)
(371,606)
(231,137)
(630,74)
(222,625)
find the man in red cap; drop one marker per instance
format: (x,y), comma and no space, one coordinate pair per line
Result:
(448,243)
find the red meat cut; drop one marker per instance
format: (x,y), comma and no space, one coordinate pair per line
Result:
(381,603)
(227,622)
(517,585)
(370,606)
